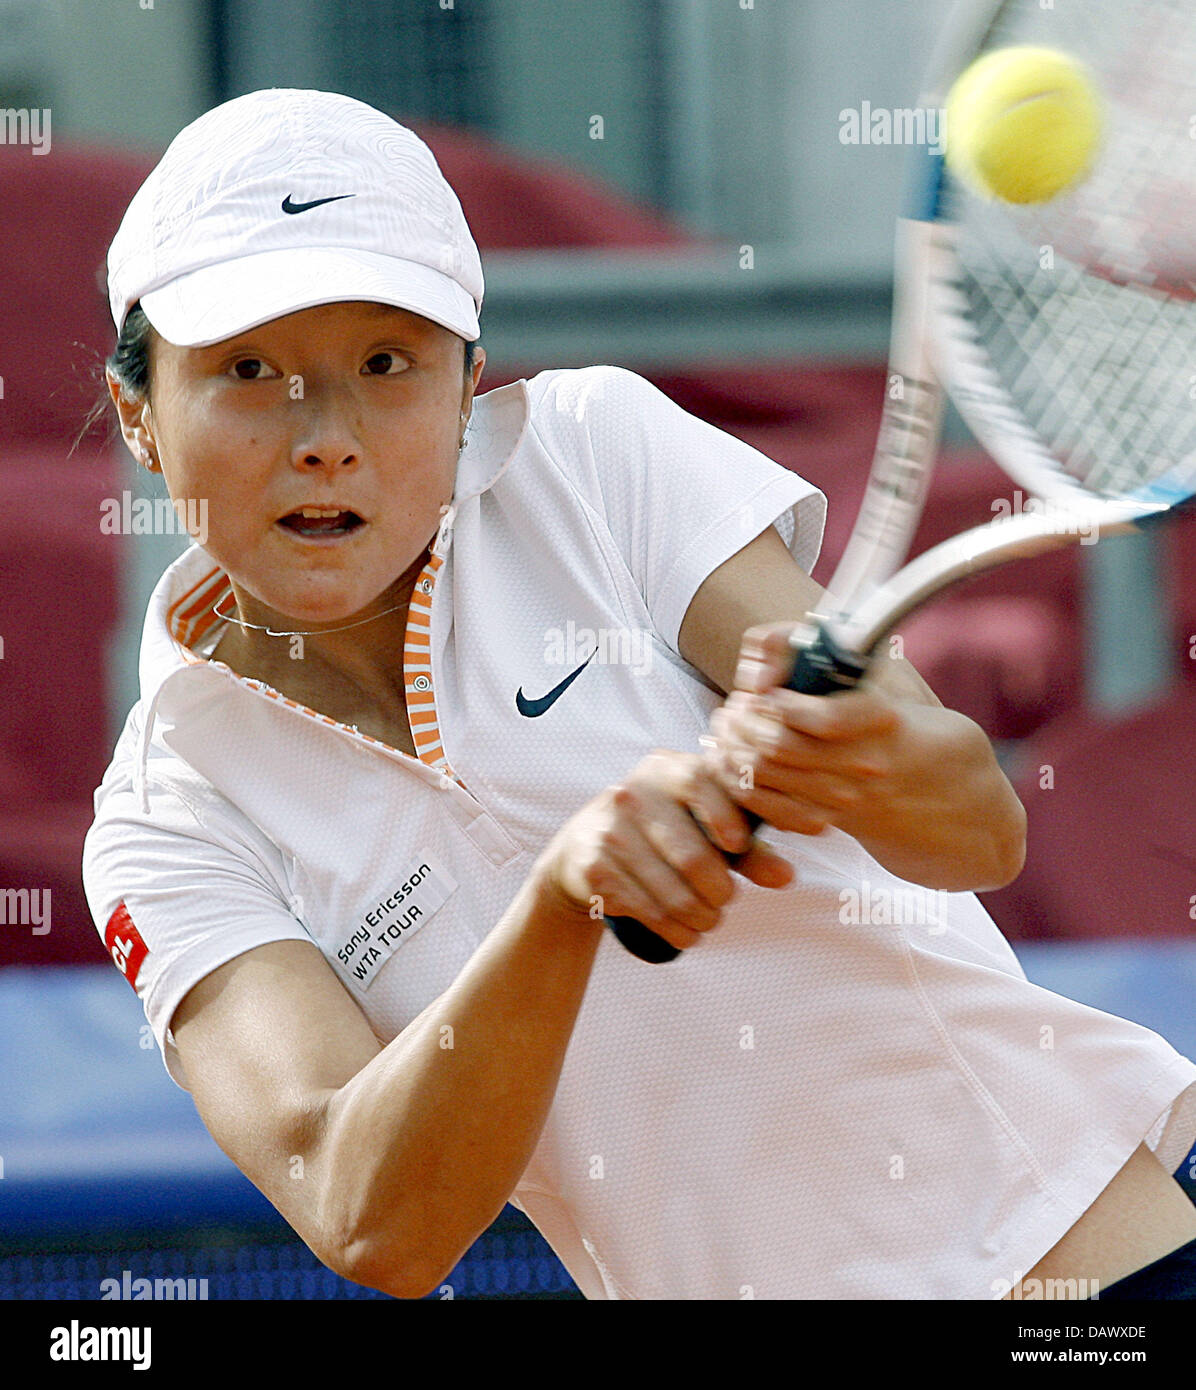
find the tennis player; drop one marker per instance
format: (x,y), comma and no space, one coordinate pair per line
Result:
(402,740)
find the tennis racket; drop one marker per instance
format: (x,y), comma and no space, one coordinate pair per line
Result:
(1065,334)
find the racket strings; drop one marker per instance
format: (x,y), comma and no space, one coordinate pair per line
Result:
(1079,310)
(1101,377)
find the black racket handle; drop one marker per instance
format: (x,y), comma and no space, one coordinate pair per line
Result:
(822,668)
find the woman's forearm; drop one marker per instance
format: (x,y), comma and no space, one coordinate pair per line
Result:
(950,819)
(426,1143)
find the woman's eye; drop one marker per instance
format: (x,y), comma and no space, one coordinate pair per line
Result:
(386,364)
(251,369)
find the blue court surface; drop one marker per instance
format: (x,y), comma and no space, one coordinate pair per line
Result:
(107,1168)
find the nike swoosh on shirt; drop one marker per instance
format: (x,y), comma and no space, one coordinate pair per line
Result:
(288,206)
(532,709)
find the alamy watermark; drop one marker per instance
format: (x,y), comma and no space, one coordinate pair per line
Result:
(1033,1289)
(25,907)
(609,646)
(887,125)
(127,515)
(905,906)
(82,1342)
(1064,521)
(163,1290)
(24,125)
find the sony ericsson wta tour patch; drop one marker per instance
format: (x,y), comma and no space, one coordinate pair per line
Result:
(386,924)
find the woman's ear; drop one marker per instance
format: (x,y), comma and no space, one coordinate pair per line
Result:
(136,425)
(473,378)
(471,382)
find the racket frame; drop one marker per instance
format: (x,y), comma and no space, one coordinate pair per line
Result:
(932,356)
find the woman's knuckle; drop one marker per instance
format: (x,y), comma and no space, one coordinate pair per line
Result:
(693,781)
(705,917)
(599,876)
(720,889)
(677,935)
(652,914)
(609,843)
(678,900)
(690,861)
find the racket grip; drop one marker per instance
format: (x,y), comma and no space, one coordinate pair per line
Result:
(642,942)
(825,667)
(822,668)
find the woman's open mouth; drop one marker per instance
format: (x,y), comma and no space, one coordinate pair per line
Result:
(321,523)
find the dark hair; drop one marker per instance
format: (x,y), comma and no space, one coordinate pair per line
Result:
(129,362)
(130,365)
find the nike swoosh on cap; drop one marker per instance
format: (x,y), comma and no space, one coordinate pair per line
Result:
(288,206)
(532,709)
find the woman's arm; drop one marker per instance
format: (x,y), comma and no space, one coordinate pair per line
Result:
(760,585)
(390,1161)
(438,1128)
(916,784)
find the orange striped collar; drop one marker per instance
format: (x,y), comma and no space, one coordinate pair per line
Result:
(190,619)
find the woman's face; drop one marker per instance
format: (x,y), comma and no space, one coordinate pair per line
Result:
(355,407)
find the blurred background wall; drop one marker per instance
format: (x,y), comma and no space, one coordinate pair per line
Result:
(700,98)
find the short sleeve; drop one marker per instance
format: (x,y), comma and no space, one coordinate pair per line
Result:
(678,496)
(177,892)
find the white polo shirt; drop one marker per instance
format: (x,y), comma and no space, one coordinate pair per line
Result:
(849,1090)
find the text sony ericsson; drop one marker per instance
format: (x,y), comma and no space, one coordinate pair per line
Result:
(377,913)
(389,904)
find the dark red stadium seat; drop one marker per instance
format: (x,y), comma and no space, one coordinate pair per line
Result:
(1112,827)
(59,577)
(517,201)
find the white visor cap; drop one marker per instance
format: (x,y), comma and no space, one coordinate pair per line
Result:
(284,199)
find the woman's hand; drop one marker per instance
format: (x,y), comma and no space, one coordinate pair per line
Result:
(639,849)
(916,784)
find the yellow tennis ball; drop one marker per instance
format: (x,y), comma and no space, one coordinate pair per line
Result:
(1023,124)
